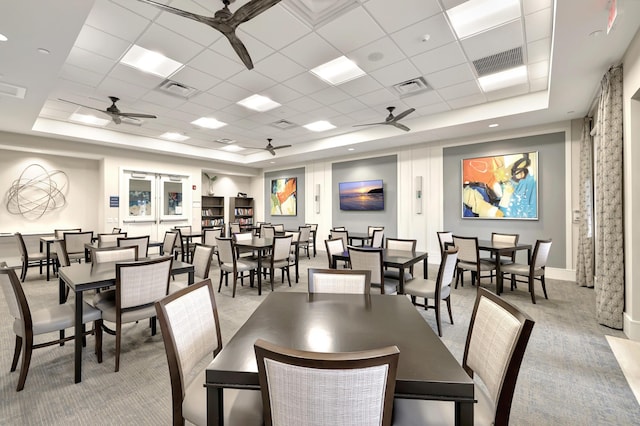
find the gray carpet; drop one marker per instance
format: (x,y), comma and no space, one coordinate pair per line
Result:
(569,374)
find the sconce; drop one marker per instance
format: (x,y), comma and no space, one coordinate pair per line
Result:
(418,189)
(316,198)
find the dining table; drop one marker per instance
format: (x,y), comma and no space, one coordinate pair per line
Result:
(498,249)
(46,241)
(400,259)
(81,277)
(344,323)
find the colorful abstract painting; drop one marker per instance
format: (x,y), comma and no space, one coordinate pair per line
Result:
(284,197)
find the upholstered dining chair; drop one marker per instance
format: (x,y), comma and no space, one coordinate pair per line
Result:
(59,233)
(342,281)
(116,231)
(402,245)
(191,332)
(370,229)
(169,243)
(142,242)
(28,259)
(202,256)
(278,258)
(437,290)
(230,263)
(496,342)
(278,227)
(444,238)
(533,271)
(75,243)
(110,240)
(29,323)
(209,236)
(344,234)
(377,238)
(303,239)
(469,259)
(234,228)
(267,232)
(242,250)
(324,388)
(114,254)
(138,286)
(313,237)
(497,237)
(334,246)
(371,259)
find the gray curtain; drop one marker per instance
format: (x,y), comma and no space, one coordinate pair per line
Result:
(609,219)
(586,255)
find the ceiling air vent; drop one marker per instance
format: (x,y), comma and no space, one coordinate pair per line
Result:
(411,87)
(283,124)
(177,89)
(499,62)
(12,91)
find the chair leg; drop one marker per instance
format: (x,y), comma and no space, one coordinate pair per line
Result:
(118,340)
(544,287)
(16,353)
(23,275)
(531,289)
(97,331)
(288,276)
(27,342)
(152,324)
(220,284)
(448,300)
(235,281)
(437,308)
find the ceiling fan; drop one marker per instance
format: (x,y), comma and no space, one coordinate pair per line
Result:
(225,21)
(393,120)
(272,149)
(113,111)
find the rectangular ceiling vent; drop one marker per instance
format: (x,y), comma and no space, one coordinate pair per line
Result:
(411,87)
(12,91)
(283,124)
(174,88)
(499,62)
(318,12)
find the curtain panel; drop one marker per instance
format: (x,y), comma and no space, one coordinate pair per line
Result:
(586,256)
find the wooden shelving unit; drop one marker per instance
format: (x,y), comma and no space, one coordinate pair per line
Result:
(212,211)
(241,211)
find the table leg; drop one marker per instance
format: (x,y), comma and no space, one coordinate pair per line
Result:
(48,249)
(214,406)
(297,261)
(499,284)
(78,338)
(191,277)
(314,243)
(464,413)
(401,280)
(259,273)
(425,269)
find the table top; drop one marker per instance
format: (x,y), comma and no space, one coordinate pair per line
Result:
(501,246)
(344,323)
(258,242)
(393,257)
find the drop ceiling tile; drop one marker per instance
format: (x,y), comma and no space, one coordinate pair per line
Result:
(394,15)
(193,30)
(114,87)
(168,43)
(422,99)
(493,41)
(279,67)
(281,92)
(396,73)
(230,92)
(196,79)
(538,84)
(304,104)
(252,81)
(450,76)
(197,109)
(348,105)
(263,27)
(530,6)
(467,88)
(411,39)
(114,19)
(449,4)
(538,70)
(340,32)
(438,59)
(467,101)
(80,75)
(539,50)
(209,101)
(434,108)
(104,44)
(538,25)
(508,92)
(158,98)
(377,97)
(245,124)
(306,83)
(360,86)
(215,64)
(88,60)
(329,96)
(376,55)
(134,76)
(311,51)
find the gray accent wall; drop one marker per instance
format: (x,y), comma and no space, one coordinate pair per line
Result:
(552,213)
(385,168)
(289,222)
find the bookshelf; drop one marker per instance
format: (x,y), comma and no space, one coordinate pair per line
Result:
(212,211)
(241,211)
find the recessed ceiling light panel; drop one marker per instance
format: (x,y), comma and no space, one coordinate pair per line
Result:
(259,103)
(232,148)
(208,123)
(338,71)
(319,126)
(475,16)
(173,136)
(89,119)
(500,80)
(3,37)
(150,62)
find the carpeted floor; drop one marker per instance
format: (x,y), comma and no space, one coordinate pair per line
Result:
(569,374)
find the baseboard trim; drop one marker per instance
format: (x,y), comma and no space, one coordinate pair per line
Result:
(560,274)
(630,327)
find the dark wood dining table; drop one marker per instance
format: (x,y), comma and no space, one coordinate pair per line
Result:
(80,277)
(344,323)
(400,259)
(498,249)
(46,241)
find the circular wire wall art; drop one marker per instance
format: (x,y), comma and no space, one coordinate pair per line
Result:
(36,192)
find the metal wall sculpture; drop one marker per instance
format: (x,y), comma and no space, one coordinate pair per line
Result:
(36,192)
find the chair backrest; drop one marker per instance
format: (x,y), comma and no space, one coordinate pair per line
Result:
(142,283)
(185,229)
(319,388)
(347,281)
(243,236)
(340,234)
(377,238)
(202,260)
(226,251)
(540,254)
(497,237)
(15,297)
(305,233)
(370,229)
(445,273)
(496,342)
(61,251)
(444,237)
(169,242)
(75,241)
(116,231)
(110,240)
(59,233)
(295,236)
(191,331)
(210,235)
(234,228)
(267,232)
(467,248)
(334,246)
(114,254)
(339,228)
(22,247)
(142,243)
(400,244)
(368,259)
(281,248)
(279,227)
(313,226)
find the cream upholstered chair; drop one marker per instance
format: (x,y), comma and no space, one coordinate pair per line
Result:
(27,323)
(230,263)
(138,286)
(371,259)
(437,290)
(279,257)
(141,242)
(75,243)
(202,256)
(114,254)
(343,281)
(303,240)
(496,343)
(278,227)
(314,235)
(377,238)
(444,238)
(338,233)
(59,233)
(533,271)
(169,243)
(209,236)
(497,237)
(320,388)
(469,259)
(243,237)
(333,247)
(234,228)
(267,232)
(402,245)
(28,259)
(191,332)
(116,230)
(110,240)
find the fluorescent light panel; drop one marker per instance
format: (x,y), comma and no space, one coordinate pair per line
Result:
(319,126)
(150,62)
(475,16)
(173,136)
(208,123)
(258,103)
(89,119)
(338,71)
(502,79)
(3,37)
(232,148)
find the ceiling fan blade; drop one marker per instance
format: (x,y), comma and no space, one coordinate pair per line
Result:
(238,46)
(180,12)
(369,124)
(271,150)
(281,146)
(250,10)
(399,126)
(135,115)
(84,106)
(116,119)
(403,114)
